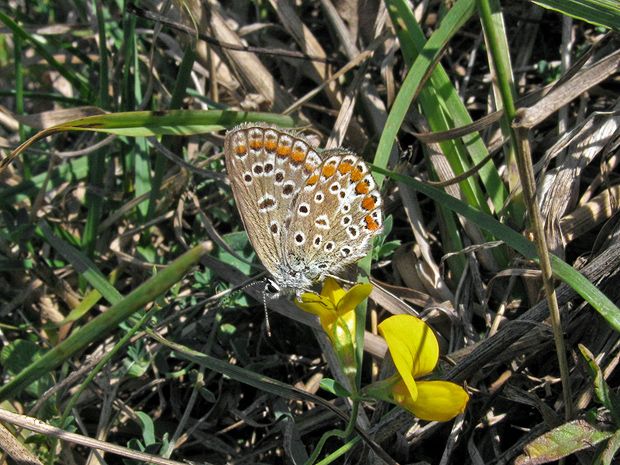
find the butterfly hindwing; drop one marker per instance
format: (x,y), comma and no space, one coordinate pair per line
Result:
(337,213)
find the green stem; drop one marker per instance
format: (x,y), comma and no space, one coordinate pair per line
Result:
(337,433)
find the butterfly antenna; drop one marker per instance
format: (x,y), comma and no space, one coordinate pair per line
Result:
(267,325)
(341,279)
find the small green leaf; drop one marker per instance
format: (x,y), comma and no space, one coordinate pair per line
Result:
(562,441)
(67,425)
(610,450)
(20,354)
(601,388)
(382,249)
(388,248)
(148,428)
(207,395)
(334,387)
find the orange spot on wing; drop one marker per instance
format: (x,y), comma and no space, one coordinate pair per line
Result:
(368,203)
(344,167)
(256,144)
(313,180)
(298,156)
(271,145)
(371,224)
(284,150)
(328,171)
(362,187)
(356,175)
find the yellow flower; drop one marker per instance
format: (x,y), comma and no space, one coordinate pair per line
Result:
(335,308)
(334,304)
(415,352)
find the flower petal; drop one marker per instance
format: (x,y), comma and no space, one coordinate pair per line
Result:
(354,297)
(403,395)
(316,304)
(437,401)
(332,291)
(413,345)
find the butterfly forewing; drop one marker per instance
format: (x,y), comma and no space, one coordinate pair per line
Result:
(267,167)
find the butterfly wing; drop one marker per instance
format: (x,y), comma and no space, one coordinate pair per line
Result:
(267,167)
(335,216)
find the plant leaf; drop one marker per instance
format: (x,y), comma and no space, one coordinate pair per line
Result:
(562,441)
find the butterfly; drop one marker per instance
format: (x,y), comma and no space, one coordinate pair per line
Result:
(307,214)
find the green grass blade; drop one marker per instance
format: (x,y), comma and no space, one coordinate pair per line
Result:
(74,171)
(86,268)
(602,12)
(173,122)
(562,270)
(178,95)
(458,15)
(106,322)
(73,78)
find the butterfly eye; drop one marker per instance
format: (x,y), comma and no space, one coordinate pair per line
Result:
(272,288)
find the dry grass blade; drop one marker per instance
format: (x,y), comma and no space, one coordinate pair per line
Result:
(568,91)
(603,267)
(254,76)
(36,425)
(557,192)
(15,449)
(594,212)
